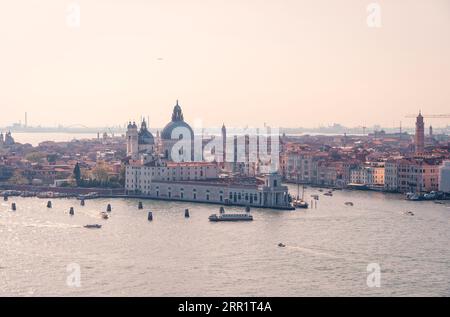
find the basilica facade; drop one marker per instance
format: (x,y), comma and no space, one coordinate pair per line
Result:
(153,172)
(141,144)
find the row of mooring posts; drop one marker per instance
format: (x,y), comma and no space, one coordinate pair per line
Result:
(109,209)
(150,215)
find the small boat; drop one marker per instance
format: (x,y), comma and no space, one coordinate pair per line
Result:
(91,195)
(328,194)
(104,215)
(413,197)
(409,213)
(439,202)
(299,203)
(96,226)
(281,245)
(348,203)
(45,195)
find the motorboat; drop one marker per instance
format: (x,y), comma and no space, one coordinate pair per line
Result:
(348,203)
(91,195)
(413,196)
(95,226)
(281,245)
(299,203)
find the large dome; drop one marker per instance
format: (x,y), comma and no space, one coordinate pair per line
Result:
(144,135)
(177,122)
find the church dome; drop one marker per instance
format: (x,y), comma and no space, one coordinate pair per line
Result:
(177,122)
(144,135)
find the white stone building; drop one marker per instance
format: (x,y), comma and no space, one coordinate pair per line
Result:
(199,182)
(444,177)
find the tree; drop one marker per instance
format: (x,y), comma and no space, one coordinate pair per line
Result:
(18,178)
(35,157)
(77,173)
(51,158)
(101,173)
(122,175)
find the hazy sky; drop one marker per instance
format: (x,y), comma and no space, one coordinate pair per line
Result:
(284,62)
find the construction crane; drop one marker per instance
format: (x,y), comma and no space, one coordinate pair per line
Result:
(430,116)
(363,129)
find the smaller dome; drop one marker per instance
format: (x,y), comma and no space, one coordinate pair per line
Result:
(144,135)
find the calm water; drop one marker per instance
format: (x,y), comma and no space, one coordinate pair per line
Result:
(36,138)
(328,249)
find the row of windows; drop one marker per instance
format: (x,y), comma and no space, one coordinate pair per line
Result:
(232,195)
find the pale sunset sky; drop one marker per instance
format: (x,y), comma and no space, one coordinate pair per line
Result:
(289,63)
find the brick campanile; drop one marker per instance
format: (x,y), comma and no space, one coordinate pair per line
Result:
(419,140)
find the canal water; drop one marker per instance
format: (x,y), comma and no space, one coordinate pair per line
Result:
(328,249)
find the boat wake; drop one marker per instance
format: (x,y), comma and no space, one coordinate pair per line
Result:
(352,256)
(53,225)
(313,252)
(43,225)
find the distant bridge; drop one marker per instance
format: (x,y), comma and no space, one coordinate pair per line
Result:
(73,128)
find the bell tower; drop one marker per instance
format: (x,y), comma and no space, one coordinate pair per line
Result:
(419,139)
(132,140)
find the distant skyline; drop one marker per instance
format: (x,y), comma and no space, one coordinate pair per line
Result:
(288,63)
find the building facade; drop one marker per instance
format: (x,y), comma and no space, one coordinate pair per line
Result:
(411,175)
(372,175)
(444,177)
(169,183)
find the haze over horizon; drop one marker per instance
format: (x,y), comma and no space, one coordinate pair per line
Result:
(288,63)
